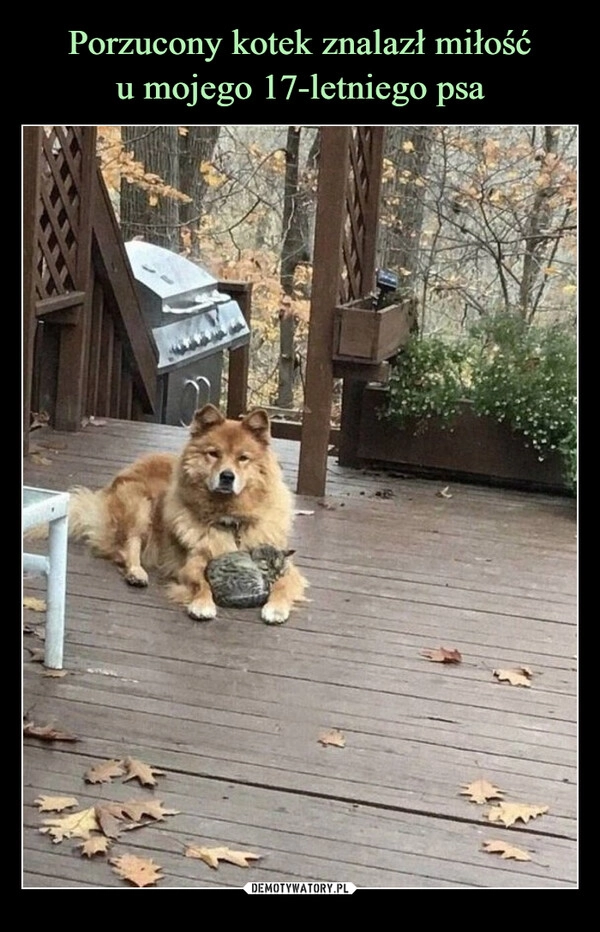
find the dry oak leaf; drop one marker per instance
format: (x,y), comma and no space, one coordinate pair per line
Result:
(519,677)
(443,655)
(46,732)
(97,844)
(143,872)
(76,825)
(335,738)
(39,459)
(109,819)
(55,674)
(480,791)
(104,772)
(137,809)
(35,605)
(55,803)
(138,770)
(508,813)
(212,856)
(505,850)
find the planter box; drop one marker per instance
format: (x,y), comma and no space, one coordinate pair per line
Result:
(362,334)
(471,448)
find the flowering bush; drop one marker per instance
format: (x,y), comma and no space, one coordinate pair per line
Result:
(508,370)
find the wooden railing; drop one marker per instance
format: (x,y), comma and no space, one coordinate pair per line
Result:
(87,348)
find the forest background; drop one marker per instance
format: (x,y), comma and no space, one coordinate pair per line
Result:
(474,220)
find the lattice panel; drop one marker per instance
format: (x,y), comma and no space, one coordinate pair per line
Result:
(364,179)
(61,161)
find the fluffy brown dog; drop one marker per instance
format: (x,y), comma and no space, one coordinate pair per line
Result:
(224,492)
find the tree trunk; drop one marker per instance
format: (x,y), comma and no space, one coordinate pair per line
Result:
(294,250)
(196,146)
(536,243)
(176,157)
(157,148)
(409,149)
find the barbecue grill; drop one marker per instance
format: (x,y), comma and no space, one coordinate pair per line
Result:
(192,323)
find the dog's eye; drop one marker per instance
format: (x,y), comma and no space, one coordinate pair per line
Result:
(243,458)
(214,454)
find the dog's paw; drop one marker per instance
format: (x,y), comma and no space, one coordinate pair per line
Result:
(137,577)
(202,611)
(275,614)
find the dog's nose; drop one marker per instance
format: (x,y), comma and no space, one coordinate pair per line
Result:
(226,477)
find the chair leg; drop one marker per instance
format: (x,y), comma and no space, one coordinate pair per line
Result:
(55,606)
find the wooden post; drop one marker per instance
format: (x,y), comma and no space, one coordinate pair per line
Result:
(329,232)
(239,359)
(73,338)
(32,146)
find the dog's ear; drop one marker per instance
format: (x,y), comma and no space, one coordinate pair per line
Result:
(258,423)
(289,553)
(204,419)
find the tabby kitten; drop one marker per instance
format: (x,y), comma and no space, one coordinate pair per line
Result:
(243,578)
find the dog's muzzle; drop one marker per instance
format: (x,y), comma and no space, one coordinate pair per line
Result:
(226,482)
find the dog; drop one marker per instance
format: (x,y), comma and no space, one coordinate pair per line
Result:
(224,492)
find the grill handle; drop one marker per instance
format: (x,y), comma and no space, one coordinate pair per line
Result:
(196,389)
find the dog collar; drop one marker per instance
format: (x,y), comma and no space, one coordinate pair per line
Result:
(233,523)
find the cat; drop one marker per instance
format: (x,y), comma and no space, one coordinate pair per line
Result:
(243,578)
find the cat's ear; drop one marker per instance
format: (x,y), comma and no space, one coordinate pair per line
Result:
(289,553)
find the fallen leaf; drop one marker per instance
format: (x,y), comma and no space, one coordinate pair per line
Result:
(38,654)
(333,737)
(55,674)
(519,677)
(39,419)
(76,825)
(212,856)
(505,850)
(55,803)
(104,772)
(93,421)
(443,655)
(35,605)
(138,770)
(39,459)
(46,733)
(97,844)
(508,813)
(137,809)
(110,824)
(480,791)
(445,492)
(54,446)
(143,872)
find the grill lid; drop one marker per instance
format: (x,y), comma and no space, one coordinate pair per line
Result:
(182,286)
(189,317)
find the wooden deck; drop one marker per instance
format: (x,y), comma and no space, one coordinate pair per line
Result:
(232,710)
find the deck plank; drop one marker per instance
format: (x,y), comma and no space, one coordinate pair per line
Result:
(232,710)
